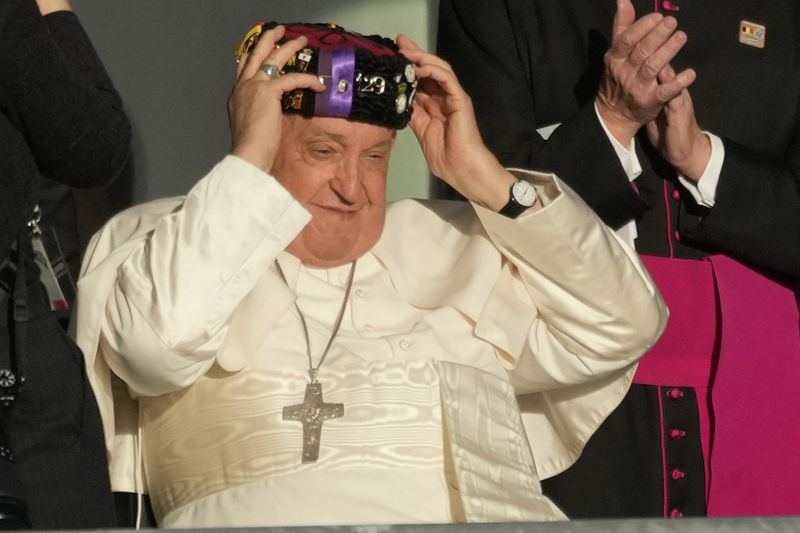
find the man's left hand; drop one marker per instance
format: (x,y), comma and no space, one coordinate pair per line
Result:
(677,135)
(445,125)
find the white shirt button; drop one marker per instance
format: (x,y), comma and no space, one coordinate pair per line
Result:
(405,344)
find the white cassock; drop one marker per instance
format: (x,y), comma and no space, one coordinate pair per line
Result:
(194,348)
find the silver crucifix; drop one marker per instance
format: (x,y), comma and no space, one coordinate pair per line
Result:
(312,413)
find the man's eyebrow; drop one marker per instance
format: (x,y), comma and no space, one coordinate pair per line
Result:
(380,145)
(321,135)
(327,135)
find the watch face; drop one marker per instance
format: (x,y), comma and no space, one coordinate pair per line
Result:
(524,193)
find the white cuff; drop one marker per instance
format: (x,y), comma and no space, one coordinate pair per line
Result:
(627,155)
(705,190)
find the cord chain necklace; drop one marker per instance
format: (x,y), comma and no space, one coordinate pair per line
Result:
(313,411)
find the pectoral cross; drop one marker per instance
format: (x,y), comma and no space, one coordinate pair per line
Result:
(312,413)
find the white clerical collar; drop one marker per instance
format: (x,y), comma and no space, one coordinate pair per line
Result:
(336,276)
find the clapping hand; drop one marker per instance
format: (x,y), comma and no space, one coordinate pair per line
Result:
(631,94)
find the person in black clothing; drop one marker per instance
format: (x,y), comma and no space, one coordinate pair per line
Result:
(60,118)
(716,215)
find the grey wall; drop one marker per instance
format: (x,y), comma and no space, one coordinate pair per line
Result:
(173,62)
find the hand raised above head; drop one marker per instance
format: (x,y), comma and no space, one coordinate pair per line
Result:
(254,106)
(445,125)
(443,118)
(631,94)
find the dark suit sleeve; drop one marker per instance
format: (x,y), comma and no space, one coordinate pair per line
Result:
(55,91)
(756,214)
(18,180)
(489,55)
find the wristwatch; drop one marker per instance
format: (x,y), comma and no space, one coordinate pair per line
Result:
(521,196)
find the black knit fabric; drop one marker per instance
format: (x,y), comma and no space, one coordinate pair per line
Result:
(59,113)
(376,57)
(60,118)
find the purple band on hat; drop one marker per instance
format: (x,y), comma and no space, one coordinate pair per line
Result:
(340,65)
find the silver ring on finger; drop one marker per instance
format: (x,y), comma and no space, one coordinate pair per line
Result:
(272,71)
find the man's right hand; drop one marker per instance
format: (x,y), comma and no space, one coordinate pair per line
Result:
(631,95)
(254,107)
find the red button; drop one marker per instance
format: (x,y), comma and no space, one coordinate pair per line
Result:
(676,513)
(677,434)
(677,474)
(676,194)
(675,393)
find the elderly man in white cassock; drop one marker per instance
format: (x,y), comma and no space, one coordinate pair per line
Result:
(281,347)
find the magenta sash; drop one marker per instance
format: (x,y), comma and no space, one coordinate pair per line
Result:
(682,356)
(755,463)
(750,437)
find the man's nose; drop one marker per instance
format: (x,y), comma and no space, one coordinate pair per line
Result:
(347,182)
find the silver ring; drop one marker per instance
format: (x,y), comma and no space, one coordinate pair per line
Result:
(271,71)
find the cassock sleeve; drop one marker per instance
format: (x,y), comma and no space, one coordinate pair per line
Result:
(55,89)
(564,302)
(756,213)
(593,308)
(168,311)
(592,311)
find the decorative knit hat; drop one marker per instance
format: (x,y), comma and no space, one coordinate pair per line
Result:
(365,77)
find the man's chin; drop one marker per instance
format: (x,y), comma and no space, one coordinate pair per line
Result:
(332,246)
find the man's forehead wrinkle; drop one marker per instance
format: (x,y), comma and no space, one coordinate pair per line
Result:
(319,132)
(382,144)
